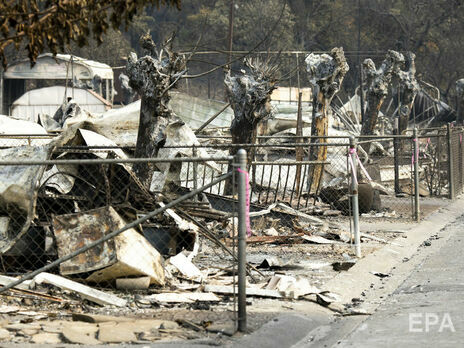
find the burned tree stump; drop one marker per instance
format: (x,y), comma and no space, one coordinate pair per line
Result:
(378,82)
(460,95)
(326,73)
(152,77)
(407,88)
(250,98)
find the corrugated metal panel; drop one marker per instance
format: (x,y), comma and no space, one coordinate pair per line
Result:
(195,111)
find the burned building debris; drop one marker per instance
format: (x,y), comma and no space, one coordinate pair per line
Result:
(85,176)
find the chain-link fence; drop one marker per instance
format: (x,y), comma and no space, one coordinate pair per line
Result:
(456,161)
(284,172)
(281,172)
(85,216)
(389,163)
(294,171)
(379,172)
(434,163)
(440,160)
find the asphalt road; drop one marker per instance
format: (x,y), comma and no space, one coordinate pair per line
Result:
(427,310)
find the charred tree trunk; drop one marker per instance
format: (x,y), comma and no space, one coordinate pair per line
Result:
(150,137)
(326,74)
(375,101)
(250,97)
(152,76)
(244,132)
(460,95)
(408,88)
(377,83)
(319,127)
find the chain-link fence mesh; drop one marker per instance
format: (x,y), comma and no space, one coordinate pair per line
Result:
(280,175)
(281,171)
(58,199)
(390,165)
(433,161)
(84,214)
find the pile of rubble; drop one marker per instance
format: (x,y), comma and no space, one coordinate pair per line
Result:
(169,262)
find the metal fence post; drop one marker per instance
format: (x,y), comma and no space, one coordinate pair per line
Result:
(195,171)
(241,161)
(396,159)
(450,163)
(416,176)
(354,196)
(460,173)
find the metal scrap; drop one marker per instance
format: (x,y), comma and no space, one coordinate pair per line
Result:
(128,254)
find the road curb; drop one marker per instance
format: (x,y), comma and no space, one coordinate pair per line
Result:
(352,283)
(283,331)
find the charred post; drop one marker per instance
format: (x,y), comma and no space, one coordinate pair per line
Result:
(152,77)
(326,73)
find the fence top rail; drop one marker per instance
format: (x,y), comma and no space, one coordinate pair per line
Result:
(286,145)
(27,135)
(375,137)
(293,136)
(114,161)
(278,136)
(230,137)
(289,163)
(109,148)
